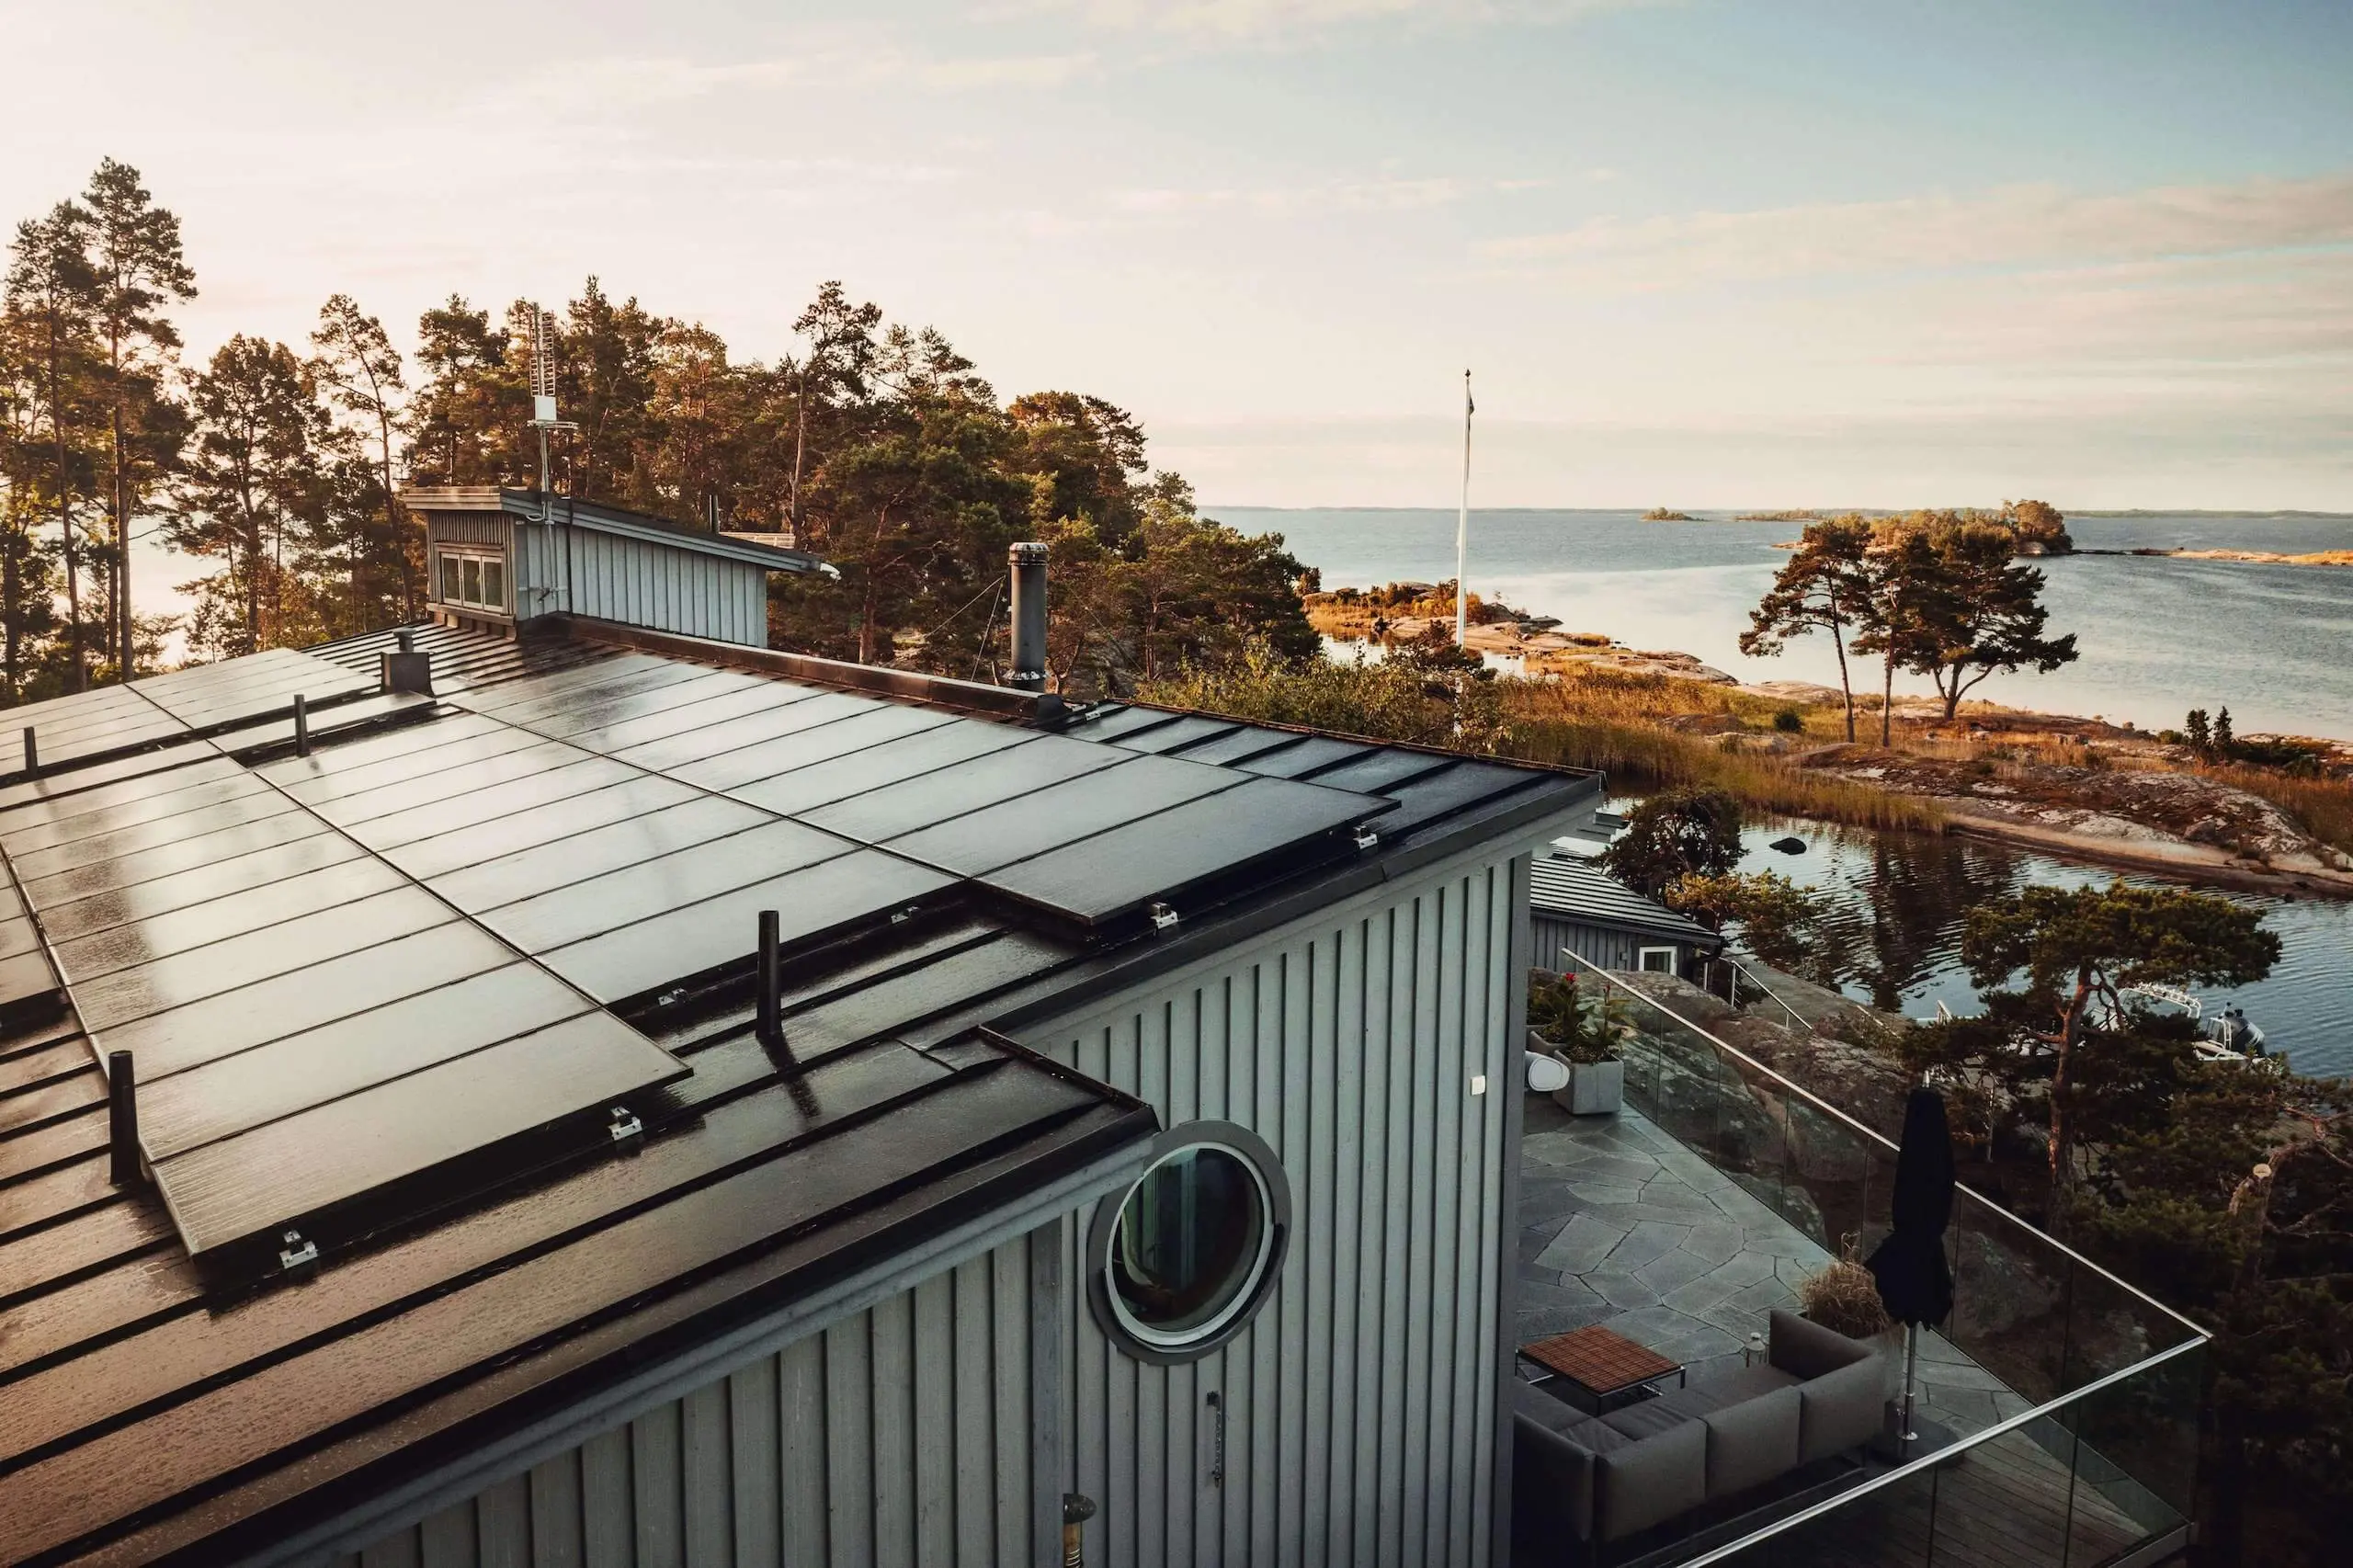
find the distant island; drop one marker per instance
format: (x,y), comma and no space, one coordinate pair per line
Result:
(1662,514)
(1799,515)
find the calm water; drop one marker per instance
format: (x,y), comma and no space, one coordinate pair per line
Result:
(1898,902)
(2158,636)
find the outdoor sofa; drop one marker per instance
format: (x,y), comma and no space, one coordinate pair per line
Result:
(1582,1484)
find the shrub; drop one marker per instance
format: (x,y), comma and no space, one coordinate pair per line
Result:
(1582,1029)
(1790,721)
(1844,1298)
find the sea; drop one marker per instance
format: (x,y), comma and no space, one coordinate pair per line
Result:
(2274,643)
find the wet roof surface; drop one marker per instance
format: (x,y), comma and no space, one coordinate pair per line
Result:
(388,992)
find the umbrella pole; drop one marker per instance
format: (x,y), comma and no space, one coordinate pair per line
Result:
(1911,1364)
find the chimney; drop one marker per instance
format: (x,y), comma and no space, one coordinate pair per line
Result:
(1028,671)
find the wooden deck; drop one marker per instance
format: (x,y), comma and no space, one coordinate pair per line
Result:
(2008,1504)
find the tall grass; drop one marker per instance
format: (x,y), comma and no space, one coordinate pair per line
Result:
(1644,758)
(2323,805)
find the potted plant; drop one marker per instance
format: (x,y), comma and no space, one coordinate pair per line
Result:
(1582,1033)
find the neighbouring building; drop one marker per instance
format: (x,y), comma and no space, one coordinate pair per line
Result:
(1575,905)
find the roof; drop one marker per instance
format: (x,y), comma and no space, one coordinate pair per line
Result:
(566,511)
(594,825)
(1578,890)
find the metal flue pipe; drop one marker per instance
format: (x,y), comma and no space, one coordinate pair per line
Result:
(1028,671)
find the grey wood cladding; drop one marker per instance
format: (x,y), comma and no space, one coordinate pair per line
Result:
(1361,1401)
(901,1435)
(942,1425)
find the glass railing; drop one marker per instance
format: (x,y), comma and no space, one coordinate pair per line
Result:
(2070,1435)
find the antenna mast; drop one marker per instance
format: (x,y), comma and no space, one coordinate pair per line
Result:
(543,417)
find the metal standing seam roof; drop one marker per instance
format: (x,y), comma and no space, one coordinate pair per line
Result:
(1578,890)
(362,987)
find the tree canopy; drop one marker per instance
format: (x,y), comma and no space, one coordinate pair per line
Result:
(1677,833)
(873,442)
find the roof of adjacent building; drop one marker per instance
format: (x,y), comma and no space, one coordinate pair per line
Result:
(463,998)
(1575,889)
(531,506)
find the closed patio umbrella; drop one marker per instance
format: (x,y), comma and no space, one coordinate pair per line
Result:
(1914,1281)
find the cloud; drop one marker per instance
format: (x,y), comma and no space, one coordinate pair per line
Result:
(2015,226)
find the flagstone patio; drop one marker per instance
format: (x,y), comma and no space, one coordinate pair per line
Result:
(1619,1224)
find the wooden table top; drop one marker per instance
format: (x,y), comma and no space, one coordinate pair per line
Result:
(1599,1360)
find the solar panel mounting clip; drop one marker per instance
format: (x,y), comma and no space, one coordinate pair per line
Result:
(297,1253)
(625,1129)
(1366,838)
(1162,915)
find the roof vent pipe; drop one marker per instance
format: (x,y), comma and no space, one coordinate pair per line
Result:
(1029,671)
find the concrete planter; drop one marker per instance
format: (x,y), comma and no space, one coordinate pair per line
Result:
(1596,1089)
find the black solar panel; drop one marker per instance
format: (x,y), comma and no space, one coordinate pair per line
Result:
(890,810)
(1060,814)
(889,761)
(1118,872)
(847,891)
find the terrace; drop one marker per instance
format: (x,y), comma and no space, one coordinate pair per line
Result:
(1684,1220)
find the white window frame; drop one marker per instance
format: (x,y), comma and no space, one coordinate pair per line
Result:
(1643,954)
(484,557)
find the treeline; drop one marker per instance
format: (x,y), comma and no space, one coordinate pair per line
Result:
(876,444)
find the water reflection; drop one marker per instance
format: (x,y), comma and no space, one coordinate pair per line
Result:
(1897,902)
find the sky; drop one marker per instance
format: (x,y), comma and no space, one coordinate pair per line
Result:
(1708,253)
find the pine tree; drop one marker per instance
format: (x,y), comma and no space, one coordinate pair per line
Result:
(135,254)
(356,362)
(2223,739)
(53,293)
(2200,733)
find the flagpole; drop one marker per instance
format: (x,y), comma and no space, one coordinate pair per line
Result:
(1462,525)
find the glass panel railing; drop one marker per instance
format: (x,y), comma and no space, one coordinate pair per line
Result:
(2062,1486)
(2061,1380)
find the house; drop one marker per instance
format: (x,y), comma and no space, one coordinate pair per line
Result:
(1576,905)
(636,1097)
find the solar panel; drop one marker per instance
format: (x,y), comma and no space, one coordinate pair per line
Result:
(311,1027)
(1118,872)
(1061,814)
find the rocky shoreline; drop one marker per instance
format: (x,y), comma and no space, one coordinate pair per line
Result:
(2080,788)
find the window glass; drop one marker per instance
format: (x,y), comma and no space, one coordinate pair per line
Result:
(449,579)
(1190,1246)
(493,583)
(471,593)
(1658,961)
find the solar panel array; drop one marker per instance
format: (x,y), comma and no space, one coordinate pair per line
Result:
(339,972)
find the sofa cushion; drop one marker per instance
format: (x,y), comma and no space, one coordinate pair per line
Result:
(1646,1417)
(1551,1485)
(1805,1349)
(1752,1442)
(1729,1388)
(1840,1410)
(1596,1436)
(1647,1482)
(1548,1411)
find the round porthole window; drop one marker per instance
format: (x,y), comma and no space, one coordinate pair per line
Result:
(1189,1254)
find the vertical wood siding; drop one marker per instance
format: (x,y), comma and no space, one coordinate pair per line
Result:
(902,1434)
(1595,944)
(1360,1401)
(668,590)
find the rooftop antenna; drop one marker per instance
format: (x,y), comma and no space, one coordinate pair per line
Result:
(543,417)
(1462,524)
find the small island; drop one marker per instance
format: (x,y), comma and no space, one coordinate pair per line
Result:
(1663,515)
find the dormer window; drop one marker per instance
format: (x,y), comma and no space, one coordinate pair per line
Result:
(475,579)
